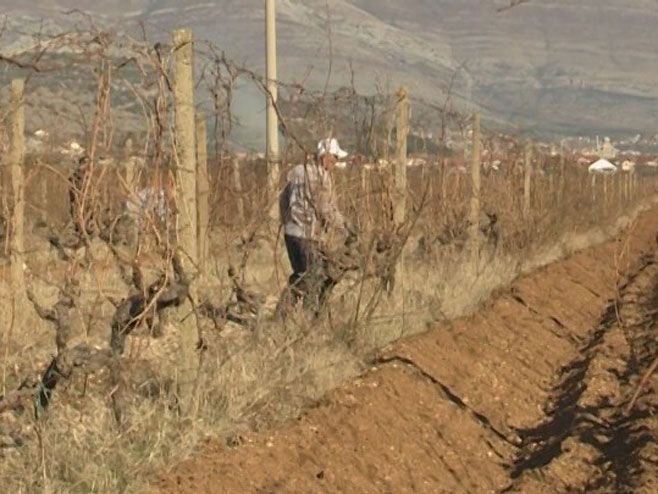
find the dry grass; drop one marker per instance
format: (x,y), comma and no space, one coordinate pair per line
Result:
(252,379)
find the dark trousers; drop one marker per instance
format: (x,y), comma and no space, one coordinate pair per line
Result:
(308,280)
(301,253)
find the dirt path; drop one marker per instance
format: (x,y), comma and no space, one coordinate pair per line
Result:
(524,396)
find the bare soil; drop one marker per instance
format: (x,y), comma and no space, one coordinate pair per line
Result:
(527,395)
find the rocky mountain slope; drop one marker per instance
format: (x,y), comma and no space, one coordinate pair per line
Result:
(547,65)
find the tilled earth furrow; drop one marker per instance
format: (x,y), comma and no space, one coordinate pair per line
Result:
(586,443)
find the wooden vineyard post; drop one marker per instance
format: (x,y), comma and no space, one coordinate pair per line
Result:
(17,241)
(44,192)
(186,192)
(593,181)
(444,184)
(612,192)
(527,177)
(399,203)
(203,192)
(474,214)
(562,173)
(428,180)
(627,187)
(237,188)
(129,165)
(365,188)
(630,195)
(402,126)
(551,187)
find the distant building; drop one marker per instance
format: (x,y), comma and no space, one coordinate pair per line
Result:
(602,166)
(628,165)
(606,150)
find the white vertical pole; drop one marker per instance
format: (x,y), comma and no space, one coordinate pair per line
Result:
(272,143)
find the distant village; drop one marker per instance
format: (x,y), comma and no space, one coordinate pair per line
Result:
(500,151)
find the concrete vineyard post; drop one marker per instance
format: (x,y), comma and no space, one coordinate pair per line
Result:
(402,126)
(186,190)
(185,124)
(399,201)
(202,191)
(474,214)
(16,163)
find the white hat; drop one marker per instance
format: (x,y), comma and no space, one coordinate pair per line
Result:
(331,146)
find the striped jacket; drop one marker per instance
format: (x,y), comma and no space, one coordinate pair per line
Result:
(307,204)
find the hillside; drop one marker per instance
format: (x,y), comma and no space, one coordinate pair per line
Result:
(549,65)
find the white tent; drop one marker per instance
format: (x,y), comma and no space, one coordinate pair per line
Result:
(602,166)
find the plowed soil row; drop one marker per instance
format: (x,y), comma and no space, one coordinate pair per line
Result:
(587,442)
(527,395)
